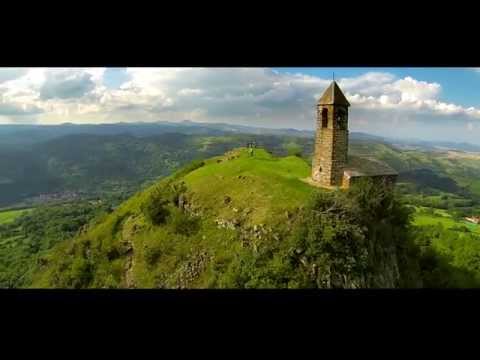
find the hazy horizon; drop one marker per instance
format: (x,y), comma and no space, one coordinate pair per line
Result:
(432,104)
(389,137)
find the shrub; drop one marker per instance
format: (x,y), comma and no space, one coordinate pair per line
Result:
(113,253)
(152,254)
(184,225)
(346,238)
(81,273)
(176,191)
(327,243)
(460,228)
(293,149)
(155,210)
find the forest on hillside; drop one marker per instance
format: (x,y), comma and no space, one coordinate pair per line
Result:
(56,186)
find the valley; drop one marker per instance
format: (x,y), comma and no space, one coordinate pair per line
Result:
(427,216)
(55,189)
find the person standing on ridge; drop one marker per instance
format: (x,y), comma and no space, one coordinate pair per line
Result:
(250,148)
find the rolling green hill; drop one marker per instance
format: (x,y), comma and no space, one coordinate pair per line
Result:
(95,165)
(222,216)
(27,234)
(264,184)
(449,171)
(240,221)
(122,159)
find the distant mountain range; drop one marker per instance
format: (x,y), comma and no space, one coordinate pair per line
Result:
(30,134)
(434,145)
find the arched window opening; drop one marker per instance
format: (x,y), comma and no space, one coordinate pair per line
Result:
(341,119)
(324,118)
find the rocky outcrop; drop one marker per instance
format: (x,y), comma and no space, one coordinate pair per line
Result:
(191,270)
(129,230)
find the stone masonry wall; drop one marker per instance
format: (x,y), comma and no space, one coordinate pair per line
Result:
(331,150)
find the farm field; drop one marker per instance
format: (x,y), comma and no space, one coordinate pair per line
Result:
(440,216)
(9,216)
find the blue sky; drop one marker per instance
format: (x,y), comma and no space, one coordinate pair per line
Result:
(459,85)
(425,103)
(114,77)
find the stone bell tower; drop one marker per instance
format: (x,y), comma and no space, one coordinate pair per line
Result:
(331,139)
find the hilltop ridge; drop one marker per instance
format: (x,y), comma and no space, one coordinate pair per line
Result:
(232,221)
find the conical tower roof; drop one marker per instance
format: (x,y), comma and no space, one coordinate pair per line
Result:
(333,96)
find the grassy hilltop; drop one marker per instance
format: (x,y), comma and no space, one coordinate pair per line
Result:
(238,221)
(228,189)
(241,221)
(235,215)
(263,185)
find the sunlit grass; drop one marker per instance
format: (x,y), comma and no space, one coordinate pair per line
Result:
(10,215)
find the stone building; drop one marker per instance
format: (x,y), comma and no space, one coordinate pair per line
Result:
(473,219)
(331,165)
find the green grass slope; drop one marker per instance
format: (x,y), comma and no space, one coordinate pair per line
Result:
(8,216)
(242,221)
(224,205)
(439,217)
(262,184)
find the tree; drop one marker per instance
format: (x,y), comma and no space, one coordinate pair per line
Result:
(293,149)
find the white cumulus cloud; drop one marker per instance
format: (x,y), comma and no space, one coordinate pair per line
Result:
(255,96)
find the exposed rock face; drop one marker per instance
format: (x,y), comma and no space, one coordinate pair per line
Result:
(129,229)
(187,205)
(383,271)
(385,276)
(189,271)
(227,224)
